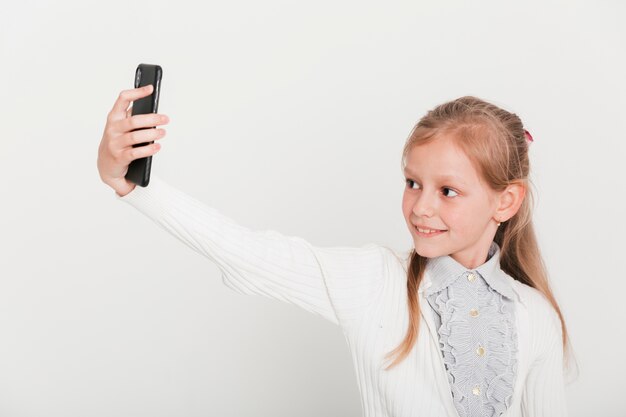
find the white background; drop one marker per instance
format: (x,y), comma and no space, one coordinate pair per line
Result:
(287,115)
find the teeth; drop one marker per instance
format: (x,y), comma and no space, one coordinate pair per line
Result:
(426,230)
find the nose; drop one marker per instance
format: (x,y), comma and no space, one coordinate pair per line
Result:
(424,205)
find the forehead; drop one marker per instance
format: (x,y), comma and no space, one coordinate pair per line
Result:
(441,160)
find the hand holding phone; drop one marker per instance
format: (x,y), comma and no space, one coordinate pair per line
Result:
(121,132)
(139,169)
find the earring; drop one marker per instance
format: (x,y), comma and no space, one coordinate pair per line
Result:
(499,224)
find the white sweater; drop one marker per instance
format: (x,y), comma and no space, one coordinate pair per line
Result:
(363,290)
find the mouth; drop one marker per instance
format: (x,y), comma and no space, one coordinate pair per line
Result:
(428,232)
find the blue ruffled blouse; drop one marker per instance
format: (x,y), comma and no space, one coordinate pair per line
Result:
(475,318)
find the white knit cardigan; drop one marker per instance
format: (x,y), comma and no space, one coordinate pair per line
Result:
(363,290)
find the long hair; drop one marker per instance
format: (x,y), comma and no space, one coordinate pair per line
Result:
(494,141)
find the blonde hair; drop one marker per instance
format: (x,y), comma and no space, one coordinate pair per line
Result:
(494,141)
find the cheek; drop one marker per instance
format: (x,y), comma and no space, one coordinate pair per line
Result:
(462,219)
(407,206)
(453,218)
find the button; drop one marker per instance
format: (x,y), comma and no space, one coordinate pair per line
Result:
(474,312)
(476,390)
(480,351)
(471,277)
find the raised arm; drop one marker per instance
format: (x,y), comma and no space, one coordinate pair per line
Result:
(336,283)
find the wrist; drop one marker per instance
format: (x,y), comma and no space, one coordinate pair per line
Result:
(125,188)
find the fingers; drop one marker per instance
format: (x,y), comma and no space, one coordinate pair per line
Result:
(142,136)
(139,121)
(125,98)
(131,153)
(127,137)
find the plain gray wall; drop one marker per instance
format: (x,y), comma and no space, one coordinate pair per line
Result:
(288,116)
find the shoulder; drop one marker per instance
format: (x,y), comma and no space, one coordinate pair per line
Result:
(533,300)
(397,258)
(363,261)
(541,317)
(350,254)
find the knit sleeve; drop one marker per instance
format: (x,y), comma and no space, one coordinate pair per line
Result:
(337,283)
(544,390)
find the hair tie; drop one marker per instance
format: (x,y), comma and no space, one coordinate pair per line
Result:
(529,137)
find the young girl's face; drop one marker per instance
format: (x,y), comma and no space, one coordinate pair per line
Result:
(444,192)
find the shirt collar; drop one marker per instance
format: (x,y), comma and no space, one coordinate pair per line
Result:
(444,270)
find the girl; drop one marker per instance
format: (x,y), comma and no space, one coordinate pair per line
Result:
(464,324)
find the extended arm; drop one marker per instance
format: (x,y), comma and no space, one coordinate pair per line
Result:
(337,283)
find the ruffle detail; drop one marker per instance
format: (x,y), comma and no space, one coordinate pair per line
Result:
(460,335)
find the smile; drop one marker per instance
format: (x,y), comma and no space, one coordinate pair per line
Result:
(428,232)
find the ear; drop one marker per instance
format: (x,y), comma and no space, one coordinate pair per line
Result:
(509,201)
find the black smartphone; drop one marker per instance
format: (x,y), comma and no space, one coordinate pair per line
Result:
(146,74)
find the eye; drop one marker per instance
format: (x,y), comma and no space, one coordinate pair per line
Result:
(450,189)
(409,182)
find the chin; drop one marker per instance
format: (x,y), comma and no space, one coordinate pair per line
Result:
(427,252)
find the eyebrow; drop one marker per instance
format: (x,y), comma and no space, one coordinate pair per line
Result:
(453,178)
